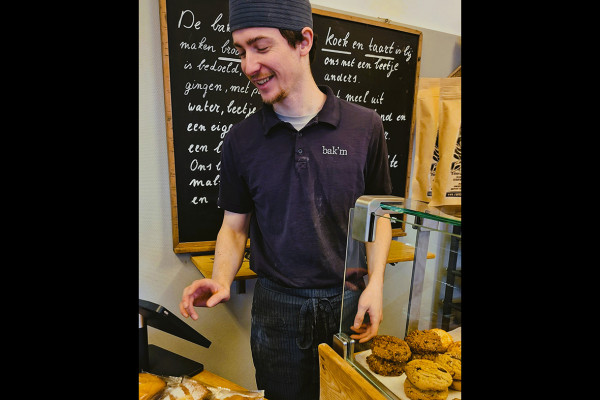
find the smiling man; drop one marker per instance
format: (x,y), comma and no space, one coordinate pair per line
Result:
(290,173)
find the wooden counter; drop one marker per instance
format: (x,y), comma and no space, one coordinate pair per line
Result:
(339,380)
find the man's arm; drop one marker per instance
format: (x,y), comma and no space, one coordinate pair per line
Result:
(229,253)
(230,246)
(371,300)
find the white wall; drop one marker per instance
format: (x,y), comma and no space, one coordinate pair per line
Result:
(162,273)
(437,15)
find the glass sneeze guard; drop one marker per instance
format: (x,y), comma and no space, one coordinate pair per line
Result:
(417,295)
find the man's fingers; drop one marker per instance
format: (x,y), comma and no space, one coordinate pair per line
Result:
(215,299)
(360,316)
(186,307)
(182,309)
(191,294)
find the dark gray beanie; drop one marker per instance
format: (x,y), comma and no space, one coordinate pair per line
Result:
(283,14)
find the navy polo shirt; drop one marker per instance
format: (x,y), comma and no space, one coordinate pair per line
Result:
(300,186)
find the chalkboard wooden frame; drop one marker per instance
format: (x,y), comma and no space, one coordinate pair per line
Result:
(177,247)
(180,246)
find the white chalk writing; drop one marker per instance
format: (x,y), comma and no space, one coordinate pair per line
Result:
(217,93)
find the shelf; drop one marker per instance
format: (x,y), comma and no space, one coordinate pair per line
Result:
(205,266)
(403,252)
(399,252)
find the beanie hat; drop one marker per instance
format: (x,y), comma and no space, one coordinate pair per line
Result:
(283,14)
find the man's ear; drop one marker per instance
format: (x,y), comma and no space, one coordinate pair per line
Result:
(307,40)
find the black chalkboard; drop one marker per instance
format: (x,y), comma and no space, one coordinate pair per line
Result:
(371,63)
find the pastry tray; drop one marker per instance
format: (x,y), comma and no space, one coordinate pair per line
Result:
(395,383)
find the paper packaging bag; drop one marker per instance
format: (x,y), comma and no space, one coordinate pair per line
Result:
(446,188)
(426,131)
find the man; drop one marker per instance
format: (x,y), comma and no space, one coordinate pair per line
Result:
(289,175)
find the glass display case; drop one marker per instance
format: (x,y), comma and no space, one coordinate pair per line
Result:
(421,294)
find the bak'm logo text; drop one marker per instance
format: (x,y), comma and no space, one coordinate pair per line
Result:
(335,150)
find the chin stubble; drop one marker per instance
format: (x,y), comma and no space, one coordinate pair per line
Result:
(280,96)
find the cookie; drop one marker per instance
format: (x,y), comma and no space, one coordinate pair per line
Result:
(444,337)
(428,355)
(385,367)
(424,341)
(414,393)
(456,385)
(391,348)
(427,375)
(449,363)
(454,349)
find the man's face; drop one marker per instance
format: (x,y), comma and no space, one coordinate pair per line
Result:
(268,60)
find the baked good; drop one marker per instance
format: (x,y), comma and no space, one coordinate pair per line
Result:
(385,367)
(427,375)
(454,349)
(456,384)
(455,346)
(444,337)
(449,363)
(414,393)
(424,341)
(391,348)
(188,389)
(150,386)
(428,355)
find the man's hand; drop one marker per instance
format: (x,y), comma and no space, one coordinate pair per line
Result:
(370,301)
(202,293)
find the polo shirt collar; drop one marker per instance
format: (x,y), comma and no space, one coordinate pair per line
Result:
(329,114)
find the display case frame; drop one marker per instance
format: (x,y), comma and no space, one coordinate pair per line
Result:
(436,229)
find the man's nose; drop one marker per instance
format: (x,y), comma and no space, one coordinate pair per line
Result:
(250,65)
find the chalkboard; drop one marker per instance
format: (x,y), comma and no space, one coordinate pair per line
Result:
(375,64)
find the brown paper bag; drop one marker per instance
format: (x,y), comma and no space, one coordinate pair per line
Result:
(426,131)
(446,188)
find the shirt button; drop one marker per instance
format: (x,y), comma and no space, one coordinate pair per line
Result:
(299,151)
